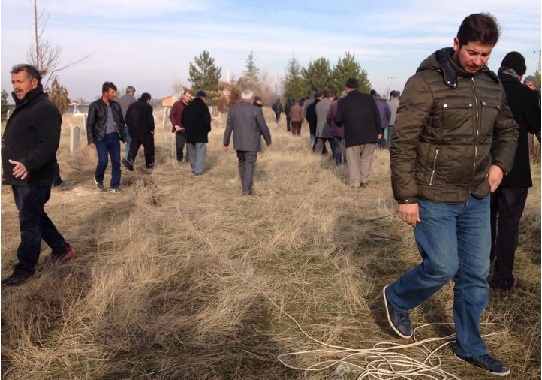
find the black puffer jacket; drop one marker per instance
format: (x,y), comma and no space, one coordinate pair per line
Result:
(31,136)
(96,120)
(451,127)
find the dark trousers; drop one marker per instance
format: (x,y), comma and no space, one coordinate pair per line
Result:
(320,145)
(180,141)
(57,179)
(288,124)
(109,145)
(507,206)
(296,128)
(277,116)
(148,147)
(34,226)
(247,162)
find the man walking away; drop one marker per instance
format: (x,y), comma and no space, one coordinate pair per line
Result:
(393,103)
(247,124)
(196,120)
(29,146)
(125,101)
(140,124)
(454,140)
(277,108)
(508,202)
(359,116)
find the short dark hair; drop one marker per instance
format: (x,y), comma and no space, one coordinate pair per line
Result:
(352,83)
(145,96)
(481,27)
(31,71)
(108,86)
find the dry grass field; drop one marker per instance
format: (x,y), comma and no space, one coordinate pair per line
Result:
(181,277)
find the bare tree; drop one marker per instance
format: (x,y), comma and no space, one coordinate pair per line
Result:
(42,54)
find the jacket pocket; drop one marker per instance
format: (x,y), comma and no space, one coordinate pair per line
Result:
(489,112)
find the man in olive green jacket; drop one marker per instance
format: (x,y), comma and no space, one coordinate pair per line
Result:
(454,140)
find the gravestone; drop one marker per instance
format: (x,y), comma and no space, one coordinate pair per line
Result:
(75,139)
(165,121)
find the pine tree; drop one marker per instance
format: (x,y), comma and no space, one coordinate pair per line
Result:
(59,96)
(4,106)
(251,76)
(203,73)
(348,67)
(317,75)
(294,84)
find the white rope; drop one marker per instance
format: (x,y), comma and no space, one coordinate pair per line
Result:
(383,361)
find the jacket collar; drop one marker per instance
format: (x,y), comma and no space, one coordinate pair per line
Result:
(450,70)
(29,95)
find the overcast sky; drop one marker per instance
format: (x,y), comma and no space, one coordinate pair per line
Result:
(149,44)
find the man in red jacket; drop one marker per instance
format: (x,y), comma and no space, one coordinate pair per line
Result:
(176,121)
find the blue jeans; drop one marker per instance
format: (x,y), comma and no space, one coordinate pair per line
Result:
(109,145)
(196,152)
(35,225)
(454,241)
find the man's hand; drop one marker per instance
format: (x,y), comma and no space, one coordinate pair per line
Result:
(178,128)
(92,146)
(494,176)
(19,171)
(409,213)
(226,147)
(379,136)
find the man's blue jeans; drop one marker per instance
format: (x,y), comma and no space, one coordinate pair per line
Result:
(454,241)
(109,145)
(35,225)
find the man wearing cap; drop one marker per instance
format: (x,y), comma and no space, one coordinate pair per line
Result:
(196,120)
(247,124)
(258,102)
(125,101)
(358,114)
(508,201)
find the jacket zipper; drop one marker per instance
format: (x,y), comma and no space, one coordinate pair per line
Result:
(434,167)
(477,126)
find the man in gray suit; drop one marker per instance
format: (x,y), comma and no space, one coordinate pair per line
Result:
(247,124)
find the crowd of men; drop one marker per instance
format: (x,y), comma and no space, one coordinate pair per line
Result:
(459,161)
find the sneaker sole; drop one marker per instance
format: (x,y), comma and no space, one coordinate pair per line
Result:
(388,316)
(485,369)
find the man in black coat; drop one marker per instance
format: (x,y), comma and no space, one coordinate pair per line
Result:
(359,115)
(140,124)
(508,202)
(29,146)
(196,120)
(311,117)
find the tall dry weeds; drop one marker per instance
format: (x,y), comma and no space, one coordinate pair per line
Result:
(181,277)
